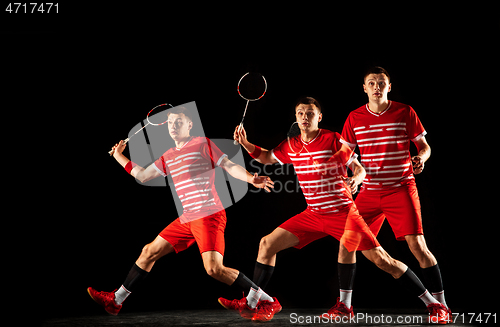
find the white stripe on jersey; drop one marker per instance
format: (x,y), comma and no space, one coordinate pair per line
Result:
(382,138)
(191,180)
(382,143)
(385,153)
(199,202)
(388,124)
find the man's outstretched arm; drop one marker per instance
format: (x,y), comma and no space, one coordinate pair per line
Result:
(241,173)
(141,174)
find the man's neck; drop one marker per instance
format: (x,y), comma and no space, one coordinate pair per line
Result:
(378,106)
(308,136)
(180,143)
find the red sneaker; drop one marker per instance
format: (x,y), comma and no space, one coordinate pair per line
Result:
(266,310)
(438,314)
(247,312)
(106,299)
(339,310)
(235,304)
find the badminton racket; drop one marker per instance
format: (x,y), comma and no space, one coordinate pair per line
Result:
(251,87)
(156,117)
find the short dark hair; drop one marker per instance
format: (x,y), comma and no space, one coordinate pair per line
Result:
(180,110)
(377,70)
(308,100)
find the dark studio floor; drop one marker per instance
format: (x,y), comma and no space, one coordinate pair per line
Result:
(288,317)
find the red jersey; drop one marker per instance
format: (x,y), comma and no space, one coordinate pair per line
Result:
(384,143)
(192,170)
(324,189)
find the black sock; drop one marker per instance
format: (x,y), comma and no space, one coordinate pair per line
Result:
(244,282)
(134,277)
(432,276)
(262,274)
(346,272)
(411,282)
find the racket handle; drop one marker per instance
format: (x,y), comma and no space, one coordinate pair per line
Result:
(239,129)
(124,142)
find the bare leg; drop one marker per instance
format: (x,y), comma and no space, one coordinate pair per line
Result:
(345,256)
(384,261)
(212,260)
(152,252)
(273,243)
(418,247)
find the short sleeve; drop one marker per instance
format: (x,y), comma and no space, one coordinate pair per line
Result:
(280,153)
(348,133)
(161,165)
(414,127)
(345,154)
(211,152)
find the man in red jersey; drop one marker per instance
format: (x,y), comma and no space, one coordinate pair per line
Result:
(320,162)
(383,129)
(191,165)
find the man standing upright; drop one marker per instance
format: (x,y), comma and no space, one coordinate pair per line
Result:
(382,129)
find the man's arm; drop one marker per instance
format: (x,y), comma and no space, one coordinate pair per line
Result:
(424,152)
(240,173)
(139,173)
(265,157)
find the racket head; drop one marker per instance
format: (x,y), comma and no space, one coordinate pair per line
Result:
(293,137)
(159,114)
(252,86)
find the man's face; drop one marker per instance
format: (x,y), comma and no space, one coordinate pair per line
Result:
(377,86)
(179,126)
(308,117)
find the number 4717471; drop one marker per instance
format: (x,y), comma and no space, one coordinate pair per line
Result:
(471,317)
(32,8)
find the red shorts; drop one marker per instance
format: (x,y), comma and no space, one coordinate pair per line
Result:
(207,232)
(347,226)
(400,205)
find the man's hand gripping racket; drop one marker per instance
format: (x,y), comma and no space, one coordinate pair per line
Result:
(156,117)
(240,135)
(119,147)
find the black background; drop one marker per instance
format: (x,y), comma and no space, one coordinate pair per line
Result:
(81,85)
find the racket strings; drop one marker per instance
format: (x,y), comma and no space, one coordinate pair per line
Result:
(294,130)
(252,86)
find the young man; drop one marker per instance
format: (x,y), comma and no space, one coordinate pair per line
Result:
(191,165)
(382,130)
(320,166)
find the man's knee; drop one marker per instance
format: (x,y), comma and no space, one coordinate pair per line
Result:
(264,244)
(417,244)
(345,256)
(214,270)
(153,251)
(265,247)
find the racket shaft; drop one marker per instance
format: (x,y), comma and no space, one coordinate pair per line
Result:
(241,124)
(128,138)
(244,113)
